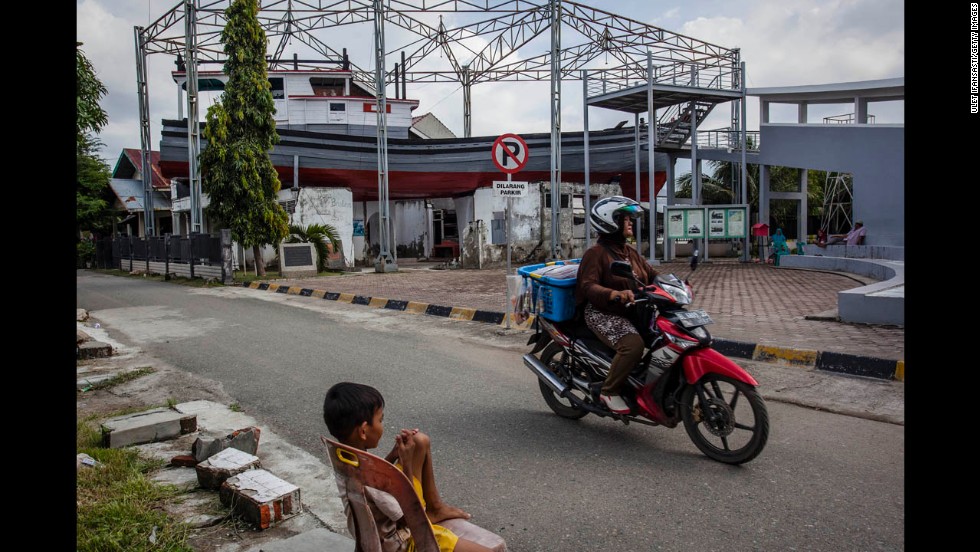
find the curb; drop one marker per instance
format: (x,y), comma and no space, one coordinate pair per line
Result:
(415,307)
(842,363)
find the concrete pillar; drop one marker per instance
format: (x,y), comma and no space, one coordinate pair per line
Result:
(227,273)
(764,194)
(763,112)
(802,219)
(801,113)
(860,110)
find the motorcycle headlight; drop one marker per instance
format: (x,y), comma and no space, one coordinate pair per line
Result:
(678,293)
(680,341)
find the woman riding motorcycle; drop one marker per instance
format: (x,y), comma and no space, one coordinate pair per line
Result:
(606,296)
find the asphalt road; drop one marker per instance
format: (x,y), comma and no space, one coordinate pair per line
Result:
(824,482)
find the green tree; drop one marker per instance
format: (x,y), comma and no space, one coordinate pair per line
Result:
(92,174)
(236,171)
(717,188)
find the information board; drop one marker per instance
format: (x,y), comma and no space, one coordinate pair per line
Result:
(685,222)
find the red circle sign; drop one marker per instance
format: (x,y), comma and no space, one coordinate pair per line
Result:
(509,153)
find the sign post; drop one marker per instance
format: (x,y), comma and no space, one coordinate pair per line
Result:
(509,154)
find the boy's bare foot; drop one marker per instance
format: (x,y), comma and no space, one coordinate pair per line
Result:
(444,512)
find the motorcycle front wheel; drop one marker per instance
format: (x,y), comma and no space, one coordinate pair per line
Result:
(554,357)
(726,418)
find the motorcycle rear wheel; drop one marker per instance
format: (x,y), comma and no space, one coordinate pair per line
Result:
(552,357)
(737,432)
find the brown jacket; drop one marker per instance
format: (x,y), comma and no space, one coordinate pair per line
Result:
(596,282)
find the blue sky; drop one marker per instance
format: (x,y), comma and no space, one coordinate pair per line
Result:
(783,43)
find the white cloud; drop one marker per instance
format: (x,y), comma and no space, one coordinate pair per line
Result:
(790,42)
(798,42)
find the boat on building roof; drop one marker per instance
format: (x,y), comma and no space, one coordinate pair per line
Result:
(327,124)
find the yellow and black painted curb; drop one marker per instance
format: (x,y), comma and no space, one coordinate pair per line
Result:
(454,313)
(842,363)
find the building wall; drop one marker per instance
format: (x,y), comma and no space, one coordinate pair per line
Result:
(333,206)
(873,154)
(530,239)
(411,227)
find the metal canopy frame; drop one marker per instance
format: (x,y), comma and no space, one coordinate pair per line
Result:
(640,53)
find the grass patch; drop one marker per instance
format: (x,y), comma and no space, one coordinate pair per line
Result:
(120,379)
(235,407)
(118,507)
(249,277)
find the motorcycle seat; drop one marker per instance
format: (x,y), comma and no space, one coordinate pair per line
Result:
(581,332)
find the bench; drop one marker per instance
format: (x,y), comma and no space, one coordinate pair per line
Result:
(881,302)
(358,469)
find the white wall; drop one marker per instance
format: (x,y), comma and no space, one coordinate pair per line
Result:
(411,226)
(333,206)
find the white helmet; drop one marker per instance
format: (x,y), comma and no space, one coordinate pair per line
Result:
(608,212)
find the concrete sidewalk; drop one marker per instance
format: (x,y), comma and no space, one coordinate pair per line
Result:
(760,312)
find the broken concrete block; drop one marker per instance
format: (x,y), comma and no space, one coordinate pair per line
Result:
(159,424)
(245,440)
(212,472)
(93,349)
(183,461)
(260,498)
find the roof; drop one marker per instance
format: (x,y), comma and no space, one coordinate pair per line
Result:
(130,164)
(129,191)
(429,126)
(839,92)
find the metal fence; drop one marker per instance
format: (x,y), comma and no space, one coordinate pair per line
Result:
(197,249)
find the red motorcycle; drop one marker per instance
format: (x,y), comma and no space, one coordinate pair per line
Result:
(680,377)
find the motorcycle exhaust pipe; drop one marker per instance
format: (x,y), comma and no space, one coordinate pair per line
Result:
(545,374)
(559,387)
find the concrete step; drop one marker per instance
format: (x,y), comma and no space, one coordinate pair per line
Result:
(315,540)
(159,424)
(93,349)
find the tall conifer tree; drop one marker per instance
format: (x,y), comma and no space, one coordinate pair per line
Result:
(236,171)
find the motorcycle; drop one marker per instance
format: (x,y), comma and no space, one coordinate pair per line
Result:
(680,378)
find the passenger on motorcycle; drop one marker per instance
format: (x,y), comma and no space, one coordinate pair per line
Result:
(606,296)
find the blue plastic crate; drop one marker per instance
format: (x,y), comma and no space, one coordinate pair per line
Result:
(554,298)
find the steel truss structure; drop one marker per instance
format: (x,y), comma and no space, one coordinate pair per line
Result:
(641,53)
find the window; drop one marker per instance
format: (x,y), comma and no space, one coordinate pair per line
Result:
(278,90)
(335,107)
(323,86)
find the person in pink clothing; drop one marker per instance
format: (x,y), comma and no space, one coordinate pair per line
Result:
(854,237)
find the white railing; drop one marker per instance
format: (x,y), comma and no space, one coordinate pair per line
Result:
(846,119)
(727,138)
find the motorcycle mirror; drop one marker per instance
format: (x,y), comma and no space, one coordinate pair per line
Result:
(622,268)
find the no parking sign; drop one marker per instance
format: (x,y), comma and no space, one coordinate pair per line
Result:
(509,153)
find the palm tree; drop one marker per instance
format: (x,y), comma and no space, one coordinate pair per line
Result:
(324,238)
(716,189)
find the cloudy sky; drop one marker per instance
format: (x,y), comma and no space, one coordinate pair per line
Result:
(783,43)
